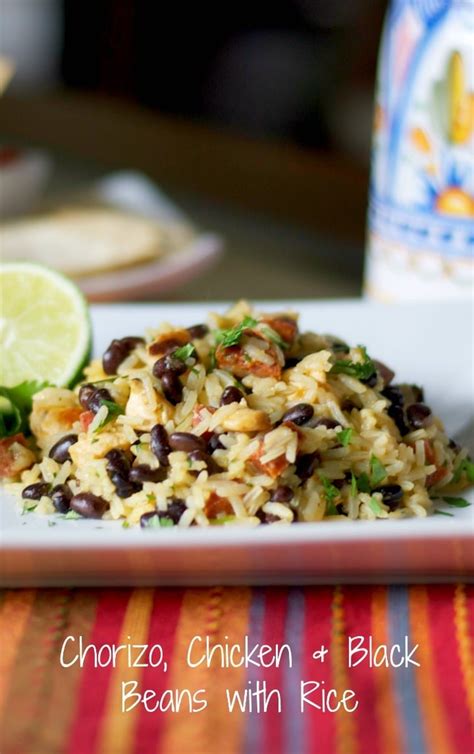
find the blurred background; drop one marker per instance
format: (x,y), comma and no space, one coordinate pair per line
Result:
(253,119)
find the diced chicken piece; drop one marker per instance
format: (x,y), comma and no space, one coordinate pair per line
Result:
(54,412)
(150,407)
(245,419)
(89,447)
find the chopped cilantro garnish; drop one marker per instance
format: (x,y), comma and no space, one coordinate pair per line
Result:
(232,336)
(331,493)
(29,506)
(354,489)
(439,512)
(465,467)
(362,370)
(212,359)
(363,483)
(72,515)
(275,337)
(113,410)
(185,352)
(375,506)
(125,525)
(377,471)
(15,406)
(221,521)
(345,436)
(151,498)
(457,502)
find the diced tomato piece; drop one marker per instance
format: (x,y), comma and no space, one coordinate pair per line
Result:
(85,419)
(286,327)
(273,468)
(216,504)
(70,415)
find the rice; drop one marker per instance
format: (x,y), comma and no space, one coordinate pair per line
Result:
(310,432)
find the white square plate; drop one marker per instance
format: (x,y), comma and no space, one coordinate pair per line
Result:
(426,343)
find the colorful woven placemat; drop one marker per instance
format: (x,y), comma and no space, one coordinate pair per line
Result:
(49,709)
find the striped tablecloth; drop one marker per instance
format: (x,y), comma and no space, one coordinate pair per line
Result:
(49,709)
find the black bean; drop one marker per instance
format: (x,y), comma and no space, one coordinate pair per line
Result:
(89,505)
(123,486)
(168,363)
(282,494)
(398,415)
(60,451)
(172,387)
(186,441)
(85,394)
(144,473)
(117,352)
(371,381)
(198,331)
(95,401)
(174,512)
(159,444)
(324,421)
(336,344)
(348,405)
(393,394)
(36,491)
(118,462)
(214,443)
(392,495)
(231,394)
(176,509)
(385,372)
(418,393)
(291,361)
(418,415)
(266,518)
(454,446)
(61,497)
(201,455)
(306,465)
(299,414)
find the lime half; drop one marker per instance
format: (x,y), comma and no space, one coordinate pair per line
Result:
(45,331)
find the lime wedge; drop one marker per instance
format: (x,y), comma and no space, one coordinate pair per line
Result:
(45,331)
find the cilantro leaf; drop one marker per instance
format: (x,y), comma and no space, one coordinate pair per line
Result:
(15,406)
(221,520)
(362,370)
(72,515)
(354,489)
(457,502)
(377,471)
(231,337)
(331,493)
(465,467)
(185,352)
(275,337)
(363,483)
(113,410)
(158,522)
(439,512)
(375,506)
(345,436)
